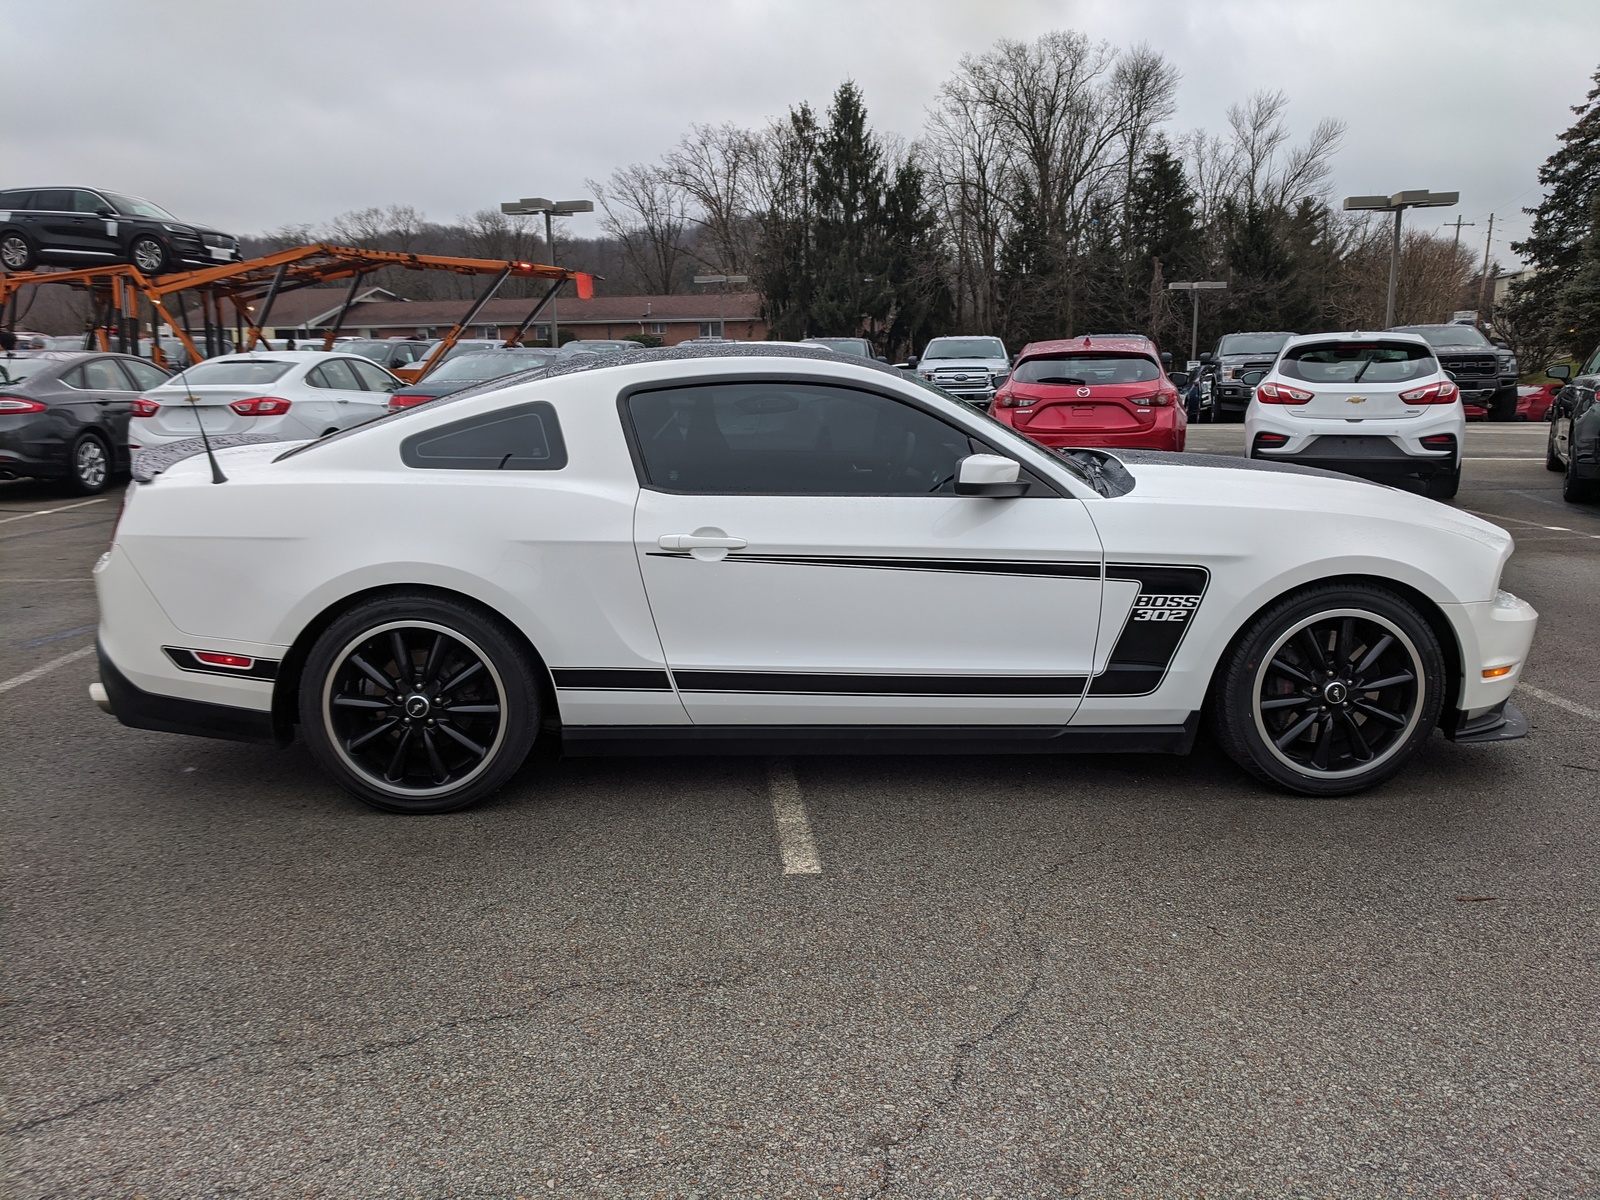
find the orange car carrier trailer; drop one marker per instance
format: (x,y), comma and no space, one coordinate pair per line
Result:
(251,287)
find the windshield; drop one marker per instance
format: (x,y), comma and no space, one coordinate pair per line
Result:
(235,371)
(1449,335)
(461,348)
(1252,343)
(15,370)
(979,347)
(853,346)
(1363,362)
(486,366)
(373,350)
(132,206)
(1087,370)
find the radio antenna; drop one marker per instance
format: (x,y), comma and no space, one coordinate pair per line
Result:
(216,471)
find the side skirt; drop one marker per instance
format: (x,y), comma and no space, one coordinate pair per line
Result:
(634,740)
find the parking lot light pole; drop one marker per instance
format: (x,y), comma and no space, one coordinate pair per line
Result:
(722,304)
(532,206)
(1397,204)
(1194,287)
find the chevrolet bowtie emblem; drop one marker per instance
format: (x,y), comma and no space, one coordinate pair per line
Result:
(1358,400)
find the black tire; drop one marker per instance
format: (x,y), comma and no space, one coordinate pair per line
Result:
(1575,490)
(1504,405)
(1443,485)
(89,465)
(1552,460)
(149,254)
(456,731)
(1318,731)
(17,253)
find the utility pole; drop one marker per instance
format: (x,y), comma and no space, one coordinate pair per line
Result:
(533,206)
(1458,223)
(1483,278)
(1397,204)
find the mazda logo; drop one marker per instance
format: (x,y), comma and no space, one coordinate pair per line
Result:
(1083,391)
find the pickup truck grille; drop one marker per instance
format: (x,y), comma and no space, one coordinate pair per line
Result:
(1474,366)
(962,379)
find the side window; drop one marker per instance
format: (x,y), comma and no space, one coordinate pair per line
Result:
(144,375)
(526,437)
(792,439)
(12,200)
(98,375)
(87,202)
(373,377)
(332,374)
(1592,367)
(59,200)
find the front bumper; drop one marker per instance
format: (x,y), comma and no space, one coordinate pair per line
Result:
(1493,634)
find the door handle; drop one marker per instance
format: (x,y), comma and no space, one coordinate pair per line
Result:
(699,541)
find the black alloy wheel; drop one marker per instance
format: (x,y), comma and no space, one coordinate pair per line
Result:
(16,254)
(90,465)
(148,254)
(1331,691)
(419,704)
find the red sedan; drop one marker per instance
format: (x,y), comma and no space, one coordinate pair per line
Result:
(1101,390)
(1534,402)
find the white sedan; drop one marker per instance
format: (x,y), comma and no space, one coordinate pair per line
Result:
(1377,405)
(287,396)
(767,549)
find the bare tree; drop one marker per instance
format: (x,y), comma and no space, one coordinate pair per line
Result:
(716,167)
(646,210)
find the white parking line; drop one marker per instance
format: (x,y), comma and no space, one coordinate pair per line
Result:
(45,512)
(1581,710)
(795,843)
(1530,524)
(29,676)
(1502,458)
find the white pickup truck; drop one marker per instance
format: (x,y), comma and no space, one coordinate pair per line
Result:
(969,368)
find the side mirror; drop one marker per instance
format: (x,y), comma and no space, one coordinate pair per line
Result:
(1166,359)
(1561,371)
(1251,378)
(105,211)
(989,475)
(912,360)
(1179,378)
(1205,358)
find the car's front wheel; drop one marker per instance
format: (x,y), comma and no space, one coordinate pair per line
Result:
(1330,691)
(148,254)
(1552,460)
(418,703)
(1575,490)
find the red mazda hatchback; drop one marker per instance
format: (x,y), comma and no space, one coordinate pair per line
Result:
(1101,390)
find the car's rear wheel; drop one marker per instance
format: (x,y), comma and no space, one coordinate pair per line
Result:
(16,253)
(90,465)
(1330,691)
(1575,490)
(148,254)
(419,704)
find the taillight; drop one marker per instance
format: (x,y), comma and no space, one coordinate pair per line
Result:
(145,408)
(19,404)
(1282,393)
(1445,392)
(260,406)
(1160,399)
(396,403)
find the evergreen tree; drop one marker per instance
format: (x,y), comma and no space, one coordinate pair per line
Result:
(784,265)
(913,271)
(848,240)
(1562,221)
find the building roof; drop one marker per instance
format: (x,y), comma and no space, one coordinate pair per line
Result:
(737,306)
(313,306)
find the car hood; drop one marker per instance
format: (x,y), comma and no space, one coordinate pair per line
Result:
(1229,481)
(965,364)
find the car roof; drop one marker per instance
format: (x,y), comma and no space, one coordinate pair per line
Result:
(1357,335)
(1119,343)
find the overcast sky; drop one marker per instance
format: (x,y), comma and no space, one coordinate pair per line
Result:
(251,116)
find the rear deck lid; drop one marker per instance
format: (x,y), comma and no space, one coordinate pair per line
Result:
(1102,392)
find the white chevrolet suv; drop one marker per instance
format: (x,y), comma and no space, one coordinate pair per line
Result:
(1376,405)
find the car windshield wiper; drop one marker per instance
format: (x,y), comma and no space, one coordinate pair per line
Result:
(1363,370)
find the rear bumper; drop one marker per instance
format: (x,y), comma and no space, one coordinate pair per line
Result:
(31,445)
(1394,468)
(1162,436)
(139,709)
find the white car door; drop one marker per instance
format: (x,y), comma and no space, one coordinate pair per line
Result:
(340,393)
(807,562)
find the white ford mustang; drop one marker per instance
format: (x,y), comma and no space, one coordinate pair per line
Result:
(771,549)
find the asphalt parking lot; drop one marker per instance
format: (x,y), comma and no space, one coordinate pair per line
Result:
(976,977)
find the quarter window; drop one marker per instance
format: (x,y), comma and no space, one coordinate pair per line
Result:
(526,437)
(59,200)
(792,439)
(100,375)
(335,374)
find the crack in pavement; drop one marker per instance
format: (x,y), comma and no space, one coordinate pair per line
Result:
(368,1048)
(965,1051)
